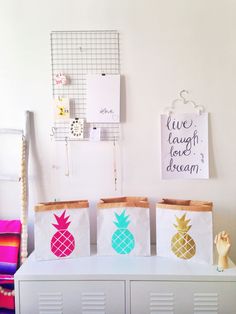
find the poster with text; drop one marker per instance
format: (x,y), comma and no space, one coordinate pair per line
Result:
(184,146)
(103,98)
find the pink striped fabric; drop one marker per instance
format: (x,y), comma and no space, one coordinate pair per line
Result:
(9,250)
(10,226)
(7,302)
(9,254)
(6,279)
(9,245)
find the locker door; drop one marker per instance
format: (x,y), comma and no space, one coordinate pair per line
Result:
(153,297)
(72,297)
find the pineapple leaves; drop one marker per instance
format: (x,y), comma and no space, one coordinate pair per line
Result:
(62,222)
(182,223)
(122,220)
(117,216)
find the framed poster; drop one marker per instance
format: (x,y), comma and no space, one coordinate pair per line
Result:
(103,98)
(184,146)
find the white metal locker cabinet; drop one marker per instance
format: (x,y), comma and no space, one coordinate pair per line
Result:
(123,285)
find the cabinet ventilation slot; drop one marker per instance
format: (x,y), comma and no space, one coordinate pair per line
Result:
(161,303)
(93,302)
(206,303)
(50,303)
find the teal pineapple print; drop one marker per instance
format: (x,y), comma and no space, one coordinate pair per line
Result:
(122,238)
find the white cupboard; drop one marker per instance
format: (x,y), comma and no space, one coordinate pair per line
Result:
(123,285)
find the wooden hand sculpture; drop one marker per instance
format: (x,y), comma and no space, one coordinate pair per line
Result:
(222,242)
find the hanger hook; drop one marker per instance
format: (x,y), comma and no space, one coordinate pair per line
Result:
(182,96)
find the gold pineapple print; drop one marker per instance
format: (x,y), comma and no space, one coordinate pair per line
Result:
(182,245)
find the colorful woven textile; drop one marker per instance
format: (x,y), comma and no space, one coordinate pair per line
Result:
(10,231)
(6,280)
(6,302)
(9,245)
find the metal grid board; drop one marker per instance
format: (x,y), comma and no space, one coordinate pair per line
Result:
(76,54)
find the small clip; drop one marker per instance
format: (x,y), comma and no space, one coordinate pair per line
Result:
(53,131)
(60,79)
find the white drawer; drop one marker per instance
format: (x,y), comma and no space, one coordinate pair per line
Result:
(170,297)
(72,297)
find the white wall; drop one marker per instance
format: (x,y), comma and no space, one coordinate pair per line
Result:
(166,46)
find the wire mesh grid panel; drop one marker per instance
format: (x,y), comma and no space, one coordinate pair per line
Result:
(76,54)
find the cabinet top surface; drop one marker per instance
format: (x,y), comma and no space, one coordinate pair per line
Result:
(121,268)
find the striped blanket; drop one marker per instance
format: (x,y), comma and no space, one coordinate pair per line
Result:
(7,303)
(10,231)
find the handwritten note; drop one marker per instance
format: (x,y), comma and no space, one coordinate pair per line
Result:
(184,146)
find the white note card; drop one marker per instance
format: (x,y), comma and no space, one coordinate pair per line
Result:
(103,98)
(95,134)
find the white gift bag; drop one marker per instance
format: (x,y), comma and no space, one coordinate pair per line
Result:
(184,230)
(123,226)
(62,230)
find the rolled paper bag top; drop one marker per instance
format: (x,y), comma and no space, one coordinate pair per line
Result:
(125,201)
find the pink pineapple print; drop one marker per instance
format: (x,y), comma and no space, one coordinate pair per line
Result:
(63,242)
